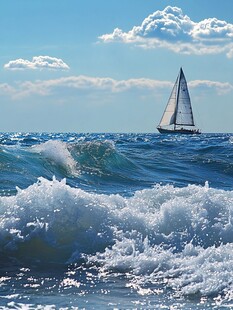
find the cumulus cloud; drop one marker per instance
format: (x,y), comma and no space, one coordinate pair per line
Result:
(174,30)
(38,62)
(77,85)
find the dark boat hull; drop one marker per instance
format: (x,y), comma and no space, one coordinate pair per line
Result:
(179,131)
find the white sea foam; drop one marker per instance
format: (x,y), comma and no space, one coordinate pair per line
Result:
(58,153)
(182,237)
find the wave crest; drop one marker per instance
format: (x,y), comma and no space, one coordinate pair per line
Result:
(57,152)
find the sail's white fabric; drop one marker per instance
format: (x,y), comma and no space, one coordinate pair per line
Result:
(184,114)
(168,117)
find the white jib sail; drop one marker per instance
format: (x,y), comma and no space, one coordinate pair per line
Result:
(184,114)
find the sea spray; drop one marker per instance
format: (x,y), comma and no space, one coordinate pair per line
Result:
(62,218)
(58,153)
(168,230)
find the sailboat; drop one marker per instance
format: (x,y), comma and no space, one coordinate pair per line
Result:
(178,114)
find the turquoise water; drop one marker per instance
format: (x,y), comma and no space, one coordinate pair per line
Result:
(116,221)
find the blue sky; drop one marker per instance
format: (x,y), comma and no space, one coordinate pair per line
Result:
(109,66)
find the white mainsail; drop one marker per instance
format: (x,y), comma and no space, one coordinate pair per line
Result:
(168,117)
(178,111)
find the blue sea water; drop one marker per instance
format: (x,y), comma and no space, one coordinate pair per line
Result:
(116,221)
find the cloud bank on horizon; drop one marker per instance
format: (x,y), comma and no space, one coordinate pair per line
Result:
(174,30)
(38,62)
(100,85)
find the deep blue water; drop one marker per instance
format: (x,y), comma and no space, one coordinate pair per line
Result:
(116,221)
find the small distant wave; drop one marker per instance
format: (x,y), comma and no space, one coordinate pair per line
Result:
(180,236)
(231,139)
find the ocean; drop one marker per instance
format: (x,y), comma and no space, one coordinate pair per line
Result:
(116,221)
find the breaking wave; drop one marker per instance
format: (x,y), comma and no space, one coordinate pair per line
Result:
(179,237)
(58,153)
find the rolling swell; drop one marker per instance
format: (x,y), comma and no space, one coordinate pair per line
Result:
(83,163)
(117,162)
(87,163)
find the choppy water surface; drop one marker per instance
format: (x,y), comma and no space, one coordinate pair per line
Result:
(116,221)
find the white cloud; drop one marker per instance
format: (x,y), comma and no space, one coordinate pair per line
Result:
(6,89)
(220,87)
(38,62)
(174,30)
(77,85)
(85,83)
